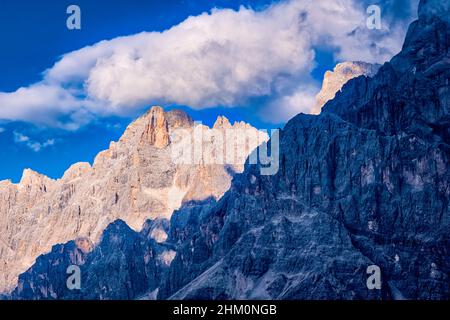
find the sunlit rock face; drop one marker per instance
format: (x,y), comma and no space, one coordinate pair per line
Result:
(333,81)
(134,180)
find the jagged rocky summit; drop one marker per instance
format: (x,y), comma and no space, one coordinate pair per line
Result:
(333,81)
(366,182)
(134,180)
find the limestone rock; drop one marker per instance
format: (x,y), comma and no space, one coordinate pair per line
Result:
(334,80)
(123,265)
(366,182)
(134,180)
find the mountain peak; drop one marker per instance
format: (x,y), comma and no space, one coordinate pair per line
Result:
(333,81)
(31,178)
(134,180)
(179,119)
(77,170)
(222,123)
(153,127)
(175,118)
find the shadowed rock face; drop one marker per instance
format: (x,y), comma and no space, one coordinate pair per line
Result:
(365,182)
(124,265)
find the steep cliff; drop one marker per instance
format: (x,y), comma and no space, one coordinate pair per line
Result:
(123,265)
(136,179)
(366,182)
(333,81)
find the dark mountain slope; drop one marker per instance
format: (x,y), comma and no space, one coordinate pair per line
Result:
(124,265)
(366,182)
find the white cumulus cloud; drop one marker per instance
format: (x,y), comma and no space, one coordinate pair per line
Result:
(221,58)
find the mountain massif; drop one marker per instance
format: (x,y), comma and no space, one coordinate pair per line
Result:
(134,180)
(366,182)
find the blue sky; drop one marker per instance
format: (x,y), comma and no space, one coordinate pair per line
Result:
(51,135)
